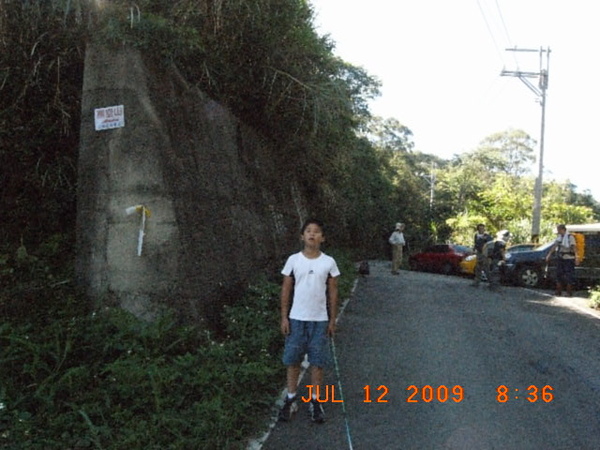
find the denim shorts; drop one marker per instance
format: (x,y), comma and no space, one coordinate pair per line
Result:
(308,338)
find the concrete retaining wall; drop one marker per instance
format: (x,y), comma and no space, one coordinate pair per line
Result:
(220,210)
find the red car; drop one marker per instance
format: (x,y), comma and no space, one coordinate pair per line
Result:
(441,258)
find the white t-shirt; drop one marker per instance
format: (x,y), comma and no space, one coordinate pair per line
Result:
(310,298)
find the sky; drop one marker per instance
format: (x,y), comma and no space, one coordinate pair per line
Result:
(440,65)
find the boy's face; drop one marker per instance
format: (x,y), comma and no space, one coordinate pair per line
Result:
(313,236)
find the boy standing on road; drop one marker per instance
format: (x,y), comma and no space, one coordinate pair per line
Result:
(312,275)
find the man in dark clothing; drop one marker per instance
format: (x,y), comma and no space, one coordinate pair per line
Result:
(483,264)
(565,248)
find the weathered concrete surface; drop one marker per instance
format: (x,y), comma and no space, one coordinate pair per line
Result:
(220,209)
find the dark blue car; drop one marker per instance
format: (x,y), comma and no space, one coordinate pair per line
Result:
(527,268)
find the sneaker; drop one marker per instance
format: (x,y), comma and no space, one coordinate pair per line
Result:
(288,409)
(316,411)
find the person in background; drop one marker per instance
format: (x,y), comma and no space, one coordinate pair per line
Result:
(481,238)
(496,253)
(397,241)
(565,249)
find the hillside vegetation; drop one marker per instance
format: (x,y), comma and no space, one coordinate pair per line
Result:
(73,377)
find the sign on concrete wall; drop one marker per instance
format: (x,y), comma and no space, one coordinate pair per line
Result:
(109,117)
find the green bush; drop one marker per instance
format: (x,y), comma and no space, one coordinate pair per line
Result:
(110,381)
(595,297)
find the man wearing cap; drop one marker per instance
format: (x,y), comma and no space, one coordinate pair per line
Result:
(565,248)
(397,241)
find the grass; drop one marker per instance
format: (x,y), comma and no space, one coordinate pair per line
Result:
(594,297)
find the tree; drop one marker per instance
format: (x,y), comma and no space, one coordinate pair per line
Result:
(460,182)
(505,200)
(510,152)
(413,177)
(476,178)
(389,135)
(560,205)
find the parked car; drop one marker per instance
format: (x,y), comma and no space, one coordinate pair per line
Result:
(529,268)
(467,265)
(521,248)
(441,258)
(526,268)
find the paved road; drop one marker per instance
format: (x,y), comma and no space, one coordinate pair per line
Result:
(423,330)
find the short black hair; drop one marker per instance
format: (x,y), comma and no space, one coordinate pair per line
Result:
(313,221)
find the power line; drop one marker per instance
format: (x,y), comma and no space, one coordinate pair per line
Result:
(503,23)
(508,39)
(487,25)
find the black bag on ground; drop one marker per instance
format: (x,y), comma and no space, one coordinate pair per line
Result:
(363,268)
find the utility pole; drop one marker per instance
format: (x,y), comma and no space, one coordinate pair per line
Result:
(432,180)
(540,92)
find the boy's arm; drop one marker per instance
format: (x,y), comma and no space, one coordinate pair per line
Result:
(332,291)
(286,291)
